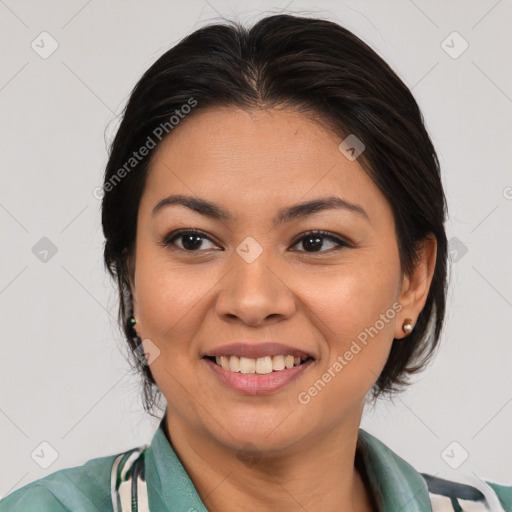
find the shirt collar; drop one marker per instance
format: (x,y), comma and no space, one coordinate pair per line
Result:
(395,484)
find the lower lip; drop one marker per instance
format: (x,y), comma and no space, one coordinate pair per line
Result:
(258,384)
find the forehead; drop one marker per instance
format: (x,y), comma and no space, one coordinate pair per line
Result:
(227,137)
(261,156)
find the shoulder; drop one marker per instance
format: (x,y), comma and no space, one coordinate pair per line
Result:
(31,497)
(77,489)
(397,478)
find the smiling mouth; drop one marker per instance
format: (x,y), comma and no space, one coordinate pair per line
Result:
(259,366)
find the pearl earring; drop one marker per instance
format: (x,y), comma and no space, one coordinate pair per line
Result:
(407,326)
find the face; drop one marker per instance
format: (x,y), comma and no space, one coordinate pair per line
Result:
(254,279)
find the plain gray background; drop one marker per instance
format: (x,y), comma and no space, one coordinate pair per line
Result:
(64,379)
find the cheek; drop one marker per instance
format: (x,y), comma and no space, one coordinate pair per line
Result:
(355,296)
(169,297)
(172,307)
(357,310)
(173,300)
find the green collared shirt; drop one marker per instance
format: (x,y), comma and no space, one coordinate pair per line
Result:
(152,478)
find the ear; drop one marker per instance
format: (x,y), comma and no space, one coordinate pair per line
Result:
(415,287)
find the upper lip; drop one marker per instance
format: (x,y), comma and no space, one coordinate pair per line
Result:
(254,351)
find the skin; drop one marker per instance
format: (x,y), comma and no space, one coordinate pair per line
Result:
(253,164)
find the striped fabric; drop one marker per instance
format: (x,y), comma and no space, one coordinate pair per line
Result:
(128,486)
(151,478)
(448,496)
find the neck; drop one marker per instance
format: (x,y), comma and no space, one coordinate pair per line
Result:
(316,475)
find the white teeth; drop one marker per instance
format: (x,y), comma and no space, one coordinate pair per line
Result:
(247,365)
(264,365)
(234,364)
(278,363)
(260,366)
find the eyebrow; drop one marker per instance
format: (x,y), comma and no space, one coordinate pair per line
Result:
(215,211)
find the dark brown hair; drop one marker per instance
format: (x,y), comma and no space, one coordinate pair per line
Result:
(322,69)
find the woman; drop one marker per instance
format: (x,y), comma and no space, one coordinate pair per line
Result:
(274,219)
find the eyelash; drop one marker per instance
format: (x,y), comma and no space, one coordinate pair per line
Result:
(168,241)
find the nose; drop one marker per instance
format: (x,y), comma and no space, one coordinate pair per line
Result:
(255,293)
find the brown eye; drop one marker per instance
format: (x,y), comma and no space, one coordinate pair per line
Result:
(314,241)
(189,241)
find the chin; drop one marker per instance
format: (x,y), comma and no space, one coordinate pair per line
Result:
(255,430)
